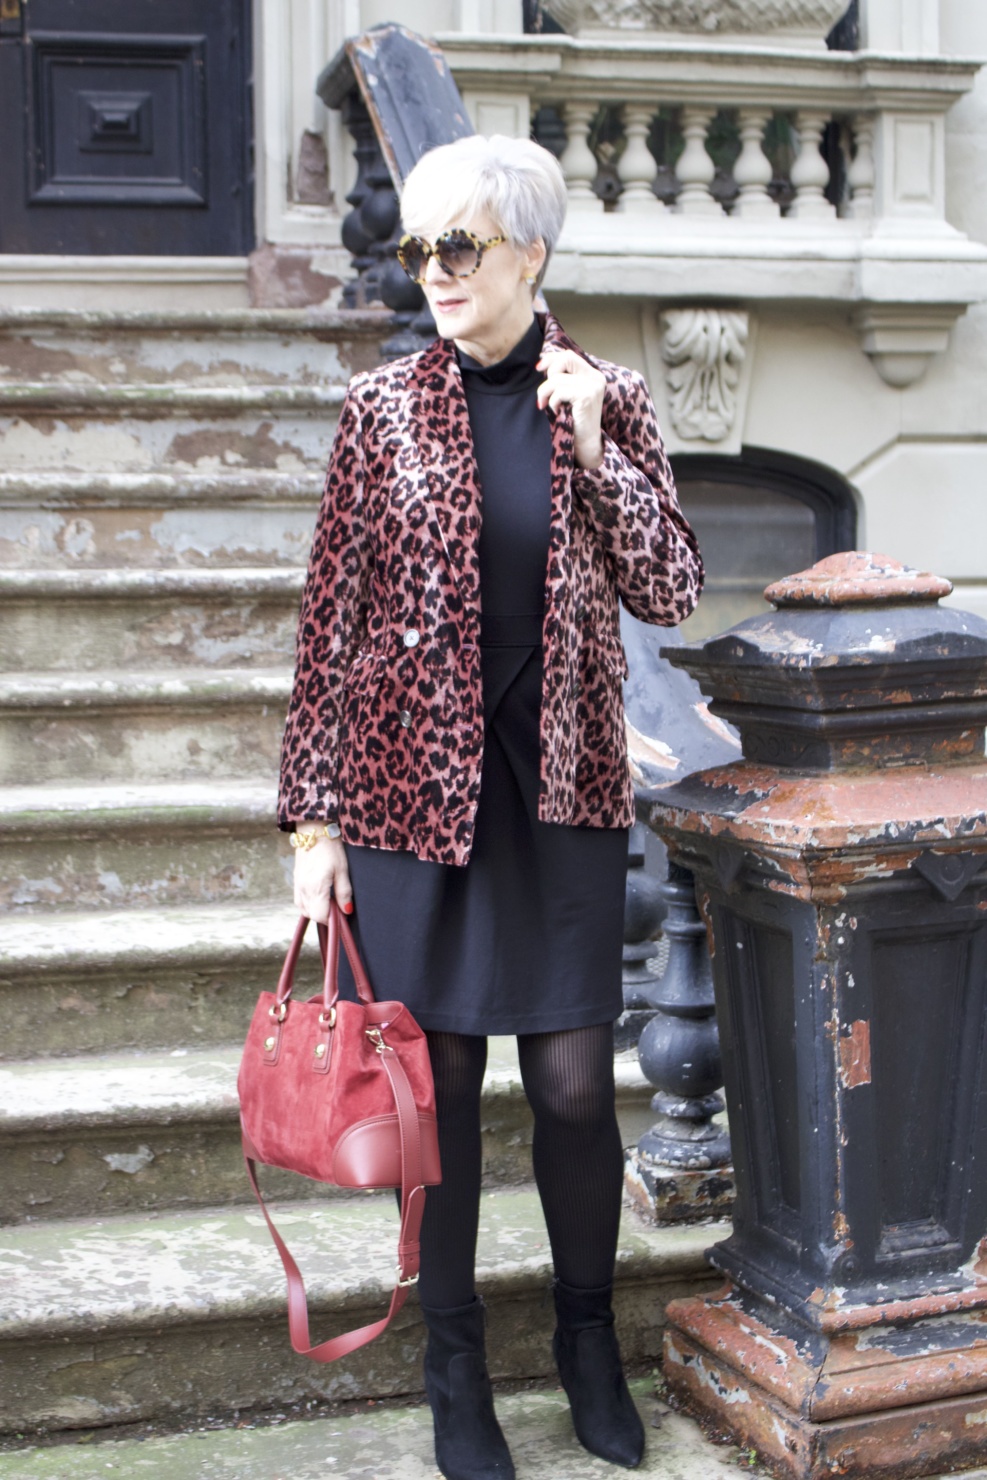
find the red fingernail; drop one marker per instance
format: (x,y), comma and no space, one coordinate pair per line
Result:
(348,908)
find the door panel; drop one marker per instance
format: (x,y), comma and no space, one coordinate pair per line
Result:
(128,127)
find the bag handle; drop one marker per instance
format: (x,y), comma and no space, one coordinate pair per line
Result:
(409,1246)
(329,944)
(329,937)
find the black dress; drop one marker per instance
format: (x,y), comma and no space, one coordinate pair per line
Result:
(527,937)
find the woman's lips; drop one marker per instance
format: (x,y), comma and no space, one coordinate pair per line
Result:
(448,305)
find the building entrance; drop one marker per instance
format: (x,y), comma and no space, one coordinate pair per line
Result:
(126,127)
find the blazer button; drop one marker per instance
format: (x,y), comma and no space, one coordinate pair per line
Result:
(405,718)
(412,637)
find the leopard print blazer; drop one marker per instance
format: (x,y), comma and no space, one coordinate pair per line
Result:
(385,726)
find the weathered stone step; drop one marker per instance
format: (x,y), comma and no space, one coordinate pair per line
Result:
(133,725)
(125,1133)
(399,1439)
(104,846)
(65,619)
(153,1317)
(176,429)
(175,398)
(208,515)
(100,981)
(220,348)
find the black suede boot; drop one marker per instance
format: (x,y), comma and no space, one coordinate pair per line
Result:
(469,1444)
(588,1358)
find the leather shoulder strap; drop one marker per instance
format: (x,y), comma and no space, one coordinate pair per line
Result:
(409,1246)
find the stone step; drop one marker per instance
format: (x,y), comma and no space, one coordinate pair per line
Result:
(183,1316)
(76,620)
(105,981)
(136,725)
(128,1133)
(215,349)
(399,1439)
(179,428)
(205,516)
(105,846)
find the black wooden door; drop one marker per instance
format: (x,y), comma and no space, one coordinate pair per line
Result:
(125,127)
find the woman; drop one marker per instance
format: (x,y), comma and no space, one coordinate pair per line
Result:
(454,758)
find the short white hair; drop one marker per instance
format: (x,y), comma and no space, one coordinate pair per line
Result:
(515,181)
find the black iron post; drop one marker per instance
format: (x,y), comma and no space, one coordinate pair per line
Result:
(667,996)
(680,1168)
(841,867)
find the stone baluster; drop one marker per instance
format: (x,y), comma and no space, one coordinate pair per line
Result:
(861,175)
(695,169)
(637,167)
(810,172)
(752,171)
(578,160)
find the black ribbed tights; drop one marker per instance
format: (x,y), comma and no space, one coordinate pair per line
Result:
(577,1153)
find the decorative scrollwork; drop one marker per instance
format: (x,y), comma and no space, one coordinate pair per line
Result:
(703,350)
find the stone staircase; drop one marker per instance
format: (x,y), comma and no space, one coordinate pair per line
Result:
(159,476)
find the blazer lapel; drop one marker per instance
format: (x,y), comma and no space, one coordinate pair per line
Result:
(441,430)
(559,575)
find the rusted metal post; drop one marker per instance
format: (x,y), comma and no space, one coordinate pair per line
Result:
(842,870)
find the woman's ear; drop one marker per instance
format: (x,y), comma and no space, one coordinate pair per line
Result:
(534,261)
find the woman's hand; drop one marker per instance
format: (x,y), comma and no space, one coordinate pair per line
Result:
(320,873)
(568,377)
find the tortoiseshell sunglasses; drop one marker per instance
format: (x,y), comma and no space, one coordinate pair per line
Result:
(459,253)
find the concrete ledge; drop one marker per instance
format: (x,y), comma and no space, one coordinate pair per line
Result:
(141,978)
(130,688)
(88,811)
(119,1134)
(233,319)
(122,1320)
(43,488)
(63,398)
(126,584)
(399,1440)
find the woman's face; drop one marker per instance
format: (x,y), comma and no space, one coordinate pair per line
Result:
(488,312)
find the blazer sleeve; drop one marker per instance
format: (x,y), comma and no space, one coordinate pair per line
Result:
(631,502)
(331,626)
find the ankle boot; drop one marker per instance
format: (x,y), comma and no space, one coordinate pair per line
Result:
(588,1358)
(469,1444)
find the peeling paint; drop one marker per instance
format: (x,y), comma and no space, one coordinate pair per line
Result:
(129,1161)
(854,1046)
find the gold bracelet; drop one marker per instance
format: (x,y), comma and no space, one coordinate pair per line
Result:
(306,841)
(303,841)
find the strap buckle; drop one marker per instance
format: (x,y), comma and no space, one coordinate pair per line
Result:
(411,1280)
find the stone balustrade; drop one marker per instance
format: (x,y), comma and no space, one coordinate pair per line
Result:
(745,173)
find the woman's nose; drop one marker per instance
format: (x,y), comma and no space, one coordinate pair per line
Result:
(433,272)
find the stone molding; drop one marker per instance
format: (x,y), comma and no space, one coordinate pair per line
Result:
(133,283)
(793,22)
(699,361)
(703,350)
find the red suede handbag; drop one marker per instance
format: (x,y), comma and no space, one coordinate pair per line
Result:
(342,1092)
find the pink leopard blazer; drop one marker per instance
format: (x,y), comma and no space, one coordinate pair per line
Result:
(385,726)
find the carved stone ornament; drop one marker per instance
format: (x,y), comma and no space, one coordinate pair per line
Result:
(703,18)
(703,350)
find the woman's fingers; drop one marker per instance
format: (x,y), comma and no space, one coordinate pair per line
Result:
(569,379)
(320,873)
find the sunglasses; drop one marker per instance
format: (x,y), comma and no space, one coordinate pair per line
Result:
(459,253)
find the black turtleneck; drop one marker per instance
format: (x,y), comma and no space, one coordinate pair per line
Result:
(512,440)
